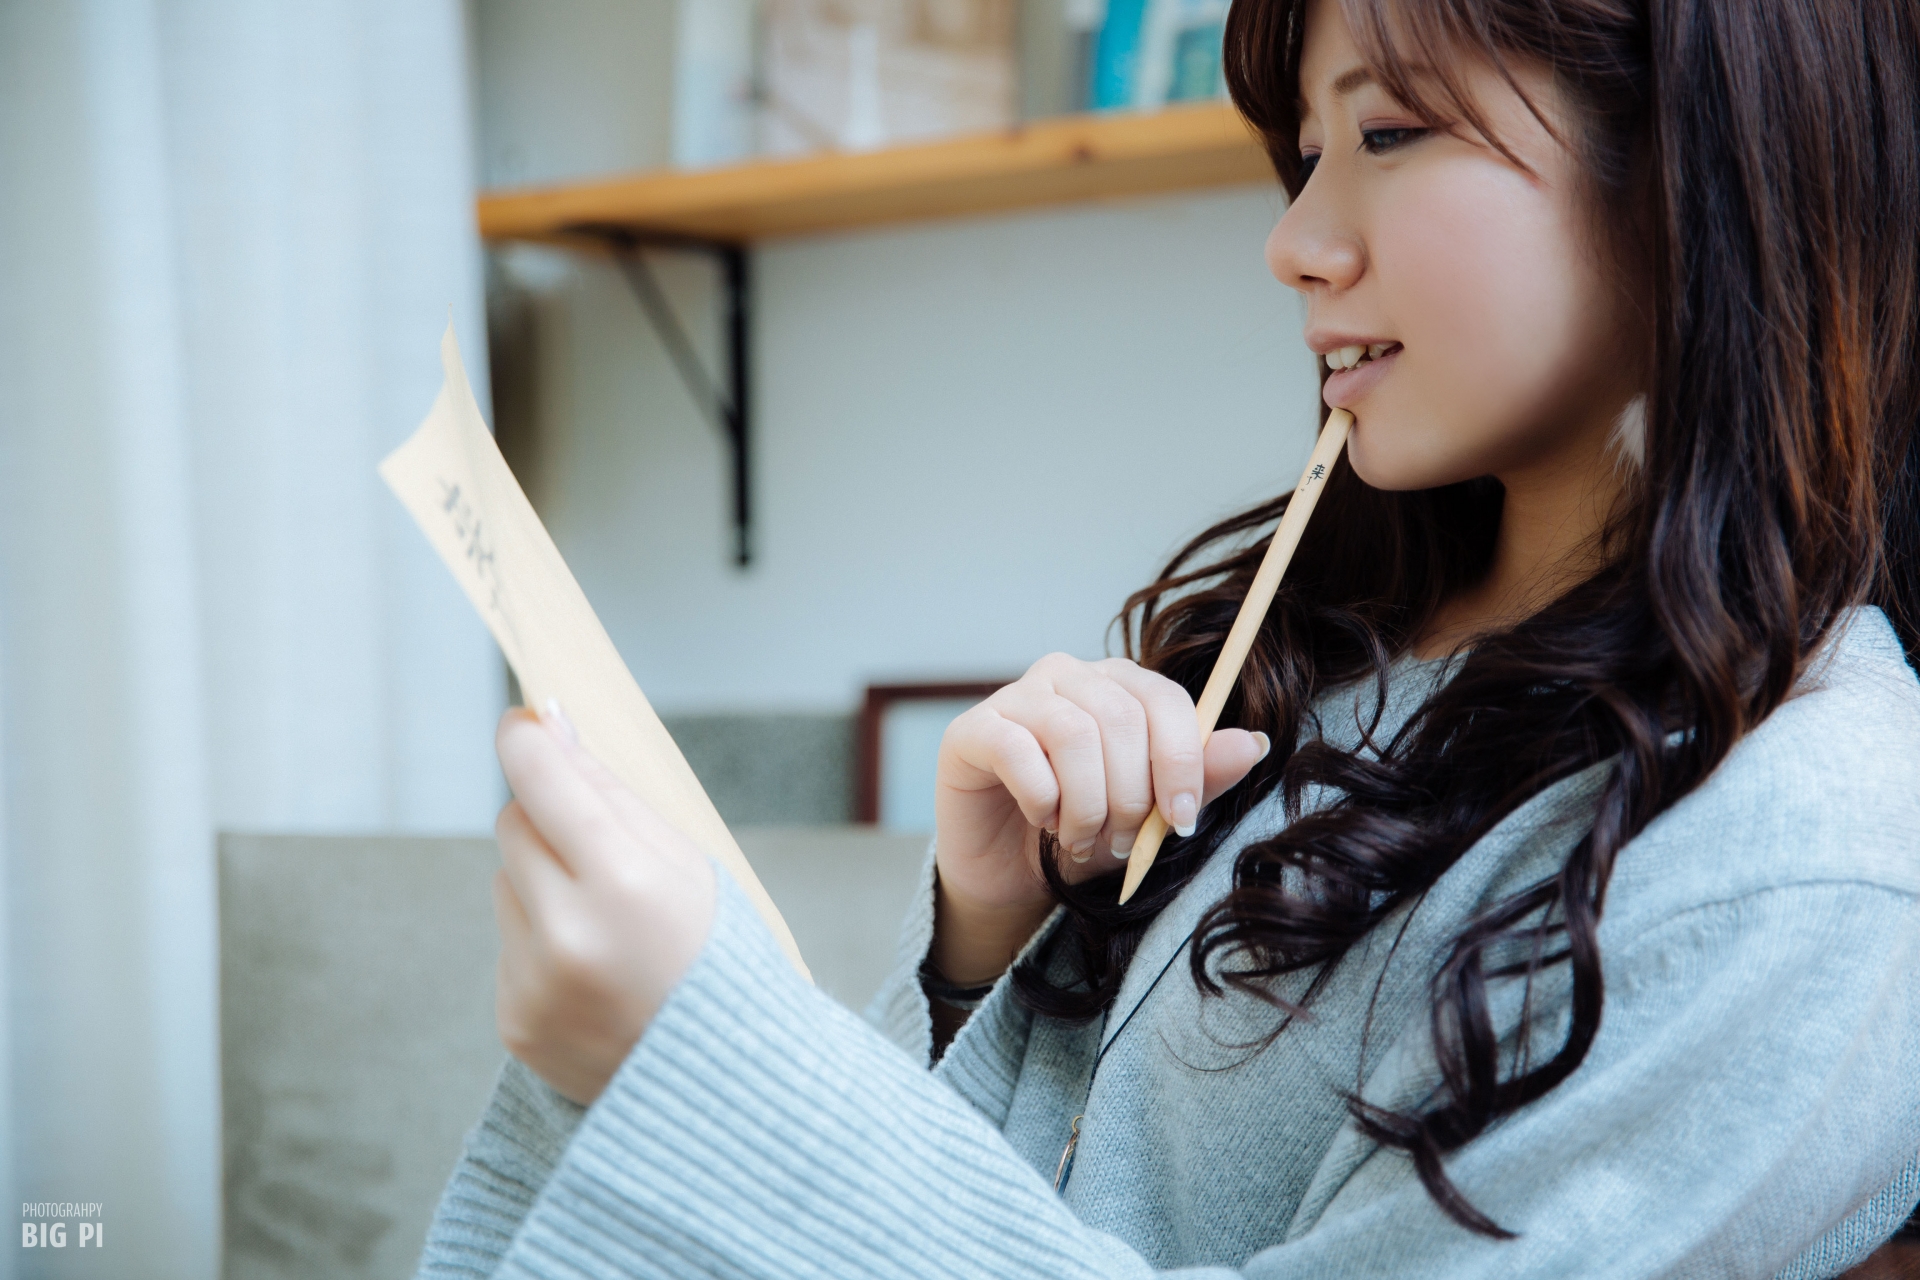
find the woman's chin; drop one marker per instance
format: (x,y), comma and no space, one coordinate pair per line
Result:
(1380,466)
(1387,460)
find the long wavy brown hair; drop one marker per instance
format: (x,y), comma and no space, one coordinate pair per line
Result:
(1759,162)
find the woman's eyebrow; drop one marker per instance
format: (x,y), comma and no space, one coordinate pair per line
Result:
(1347,81)
(1343,84)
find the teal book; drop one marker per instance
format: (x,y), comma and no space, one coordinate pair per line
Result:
(1196,63)
(1179,52)
(1116,55)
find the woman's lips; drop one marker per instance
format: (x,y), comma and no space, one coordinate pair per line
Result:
(1349,387)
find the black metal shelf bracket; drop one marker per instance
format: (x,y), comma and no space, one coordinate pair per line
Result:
(731,408)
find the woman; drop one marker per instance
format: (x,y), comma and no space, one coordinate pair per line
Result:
(1548,906)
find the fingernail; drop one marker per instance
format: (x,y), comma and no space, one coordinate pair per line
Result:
(1266,745)
(1079,856)
(550,712)
(1185,814)
(1121,846)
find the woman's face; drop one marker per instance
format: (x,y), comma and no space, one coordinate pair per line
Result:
(1506,345)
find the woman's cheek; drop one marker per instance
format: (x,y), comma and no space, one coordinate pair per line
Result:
(1477,291)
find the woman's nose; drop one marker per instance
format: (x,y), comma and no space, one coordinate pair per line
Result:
(1309,251)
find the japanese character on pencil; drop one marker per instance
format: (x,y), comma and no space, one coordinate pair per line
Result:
(1316,473)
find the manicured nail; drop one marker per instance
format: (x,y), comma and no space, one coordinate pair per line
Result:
(1185,814)
(1266,745)
(1121,846)
(550,712)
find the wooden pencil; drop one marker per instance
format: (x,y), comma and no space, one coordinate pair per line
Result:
(1246,624)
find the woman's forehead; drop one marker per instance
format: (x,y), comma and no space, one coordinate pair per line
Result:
(1329,57)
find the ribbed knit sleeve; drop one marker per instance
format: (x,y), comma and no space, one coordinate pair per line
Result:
(984,1061)
(760,1129)
(506,1161)
(899,1009)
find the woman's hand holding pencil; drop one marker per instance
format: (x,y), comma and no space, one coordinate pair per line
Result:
(1099,753)
(1085,750)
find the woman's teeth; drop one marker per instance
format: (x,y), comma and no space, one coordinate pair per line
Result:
(1348,357)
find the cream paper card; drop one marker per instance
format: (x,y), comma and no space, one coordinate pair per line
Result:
(451,477)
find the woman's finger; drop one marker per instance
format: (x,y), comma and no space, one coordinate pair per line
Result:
(1122,721)
(516,930)
(537,878)
(1231,755)
(512,973)
(1179,780)
(509,913)
(641,820)
(1071,738)
(554,719)
(568,811)
(1173,734)
(990,750)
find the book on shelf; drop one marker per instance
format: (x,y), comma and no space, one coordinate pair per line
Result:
(792,77)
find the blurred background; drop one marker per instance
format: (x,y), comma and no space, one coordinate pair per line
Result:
(855,352)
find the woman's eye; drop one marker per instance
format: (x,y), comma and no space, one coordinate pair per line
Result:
(1372,141)
(1380,141)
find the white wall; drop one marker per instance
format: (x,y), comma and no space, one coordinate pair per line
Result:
(973,440)
(571,90)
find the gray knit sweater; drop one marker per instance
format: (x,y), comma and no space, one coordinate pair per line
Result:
(1750,1107)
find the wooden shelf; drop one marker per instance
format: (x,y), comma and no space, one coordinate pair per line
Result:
(1048,162)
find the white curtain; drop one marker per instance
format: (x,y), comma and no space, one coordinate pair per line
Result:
(231,232)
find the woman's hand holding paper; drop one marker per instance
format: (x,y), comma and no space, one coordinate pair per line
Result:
(1085,750)
(602,908)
